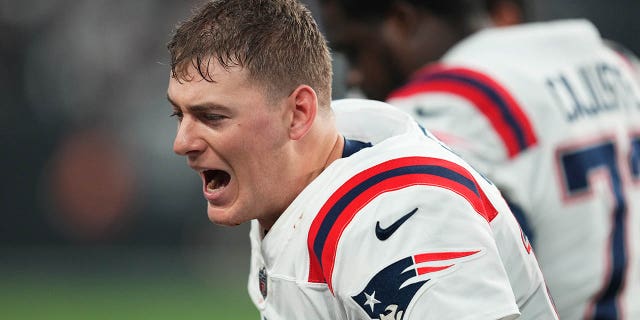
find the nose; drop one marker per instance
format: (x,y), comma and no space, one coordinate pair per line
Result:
(187,141)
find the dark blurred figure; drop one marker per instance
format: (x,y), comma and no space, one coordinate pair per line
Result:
(547,110)
(84,156)
(27,139)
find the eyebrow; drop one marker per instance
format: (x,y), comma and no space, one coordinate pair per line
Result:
(199,108)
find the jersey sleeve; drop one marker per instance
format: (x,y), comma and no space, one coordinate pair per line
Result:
(470,111)
(422,252)
(481,118)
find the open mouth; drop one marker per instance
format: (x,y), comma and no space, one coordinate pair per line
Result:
(216,179)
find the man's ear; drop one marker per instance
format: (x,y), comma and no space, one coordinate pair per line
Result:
(304,104)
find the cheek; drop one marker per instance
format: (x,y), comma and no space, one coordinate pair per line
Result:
(260,146)
(269,131)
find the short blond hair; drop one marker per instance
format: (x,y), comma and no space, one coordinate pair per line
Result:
(277,41)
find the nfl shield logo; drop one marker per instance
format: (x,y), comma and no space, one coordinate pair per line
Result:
(262,280)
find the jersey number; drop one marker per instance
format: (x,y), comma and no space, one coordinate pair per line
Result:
(576,166)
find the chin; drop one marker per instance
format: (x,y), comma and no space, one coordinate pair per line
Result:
(223,217)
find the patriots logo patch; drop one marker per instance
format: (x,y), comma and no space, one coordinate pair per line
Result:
(390,291)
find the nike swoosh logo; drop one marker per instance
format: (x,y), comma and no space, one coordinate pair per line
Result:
(384,234)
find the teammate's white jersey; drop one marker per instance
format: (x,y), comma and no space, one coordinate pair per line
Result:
(399,228)
(551,115)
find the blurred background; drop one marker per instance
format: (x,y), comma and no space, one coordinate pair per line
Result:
(98,218)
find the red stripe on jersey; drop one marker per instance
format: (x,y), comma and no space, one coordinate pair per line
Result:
(499,107)
(358,191)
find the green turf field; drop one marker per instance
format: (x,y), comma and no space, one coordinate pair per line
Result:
(154,288)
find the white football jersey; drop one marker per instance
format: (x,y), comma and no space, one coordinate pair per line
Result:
(551,115)
(398,228)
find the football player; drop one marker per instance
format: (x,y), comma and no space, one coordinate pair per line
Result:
(356,211)
(547,111)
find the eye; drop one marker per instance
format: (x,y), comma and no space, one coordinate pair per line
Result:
(212,117)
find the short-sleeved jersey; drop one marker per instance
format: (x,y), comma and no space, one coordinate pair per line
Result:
(551,114)
(398,228)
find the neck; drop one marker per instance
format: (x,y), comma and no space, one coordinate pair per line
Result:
(331,155)
(333,151)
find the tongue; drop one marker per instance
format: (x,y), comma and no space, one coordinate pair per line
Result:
(211,185)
